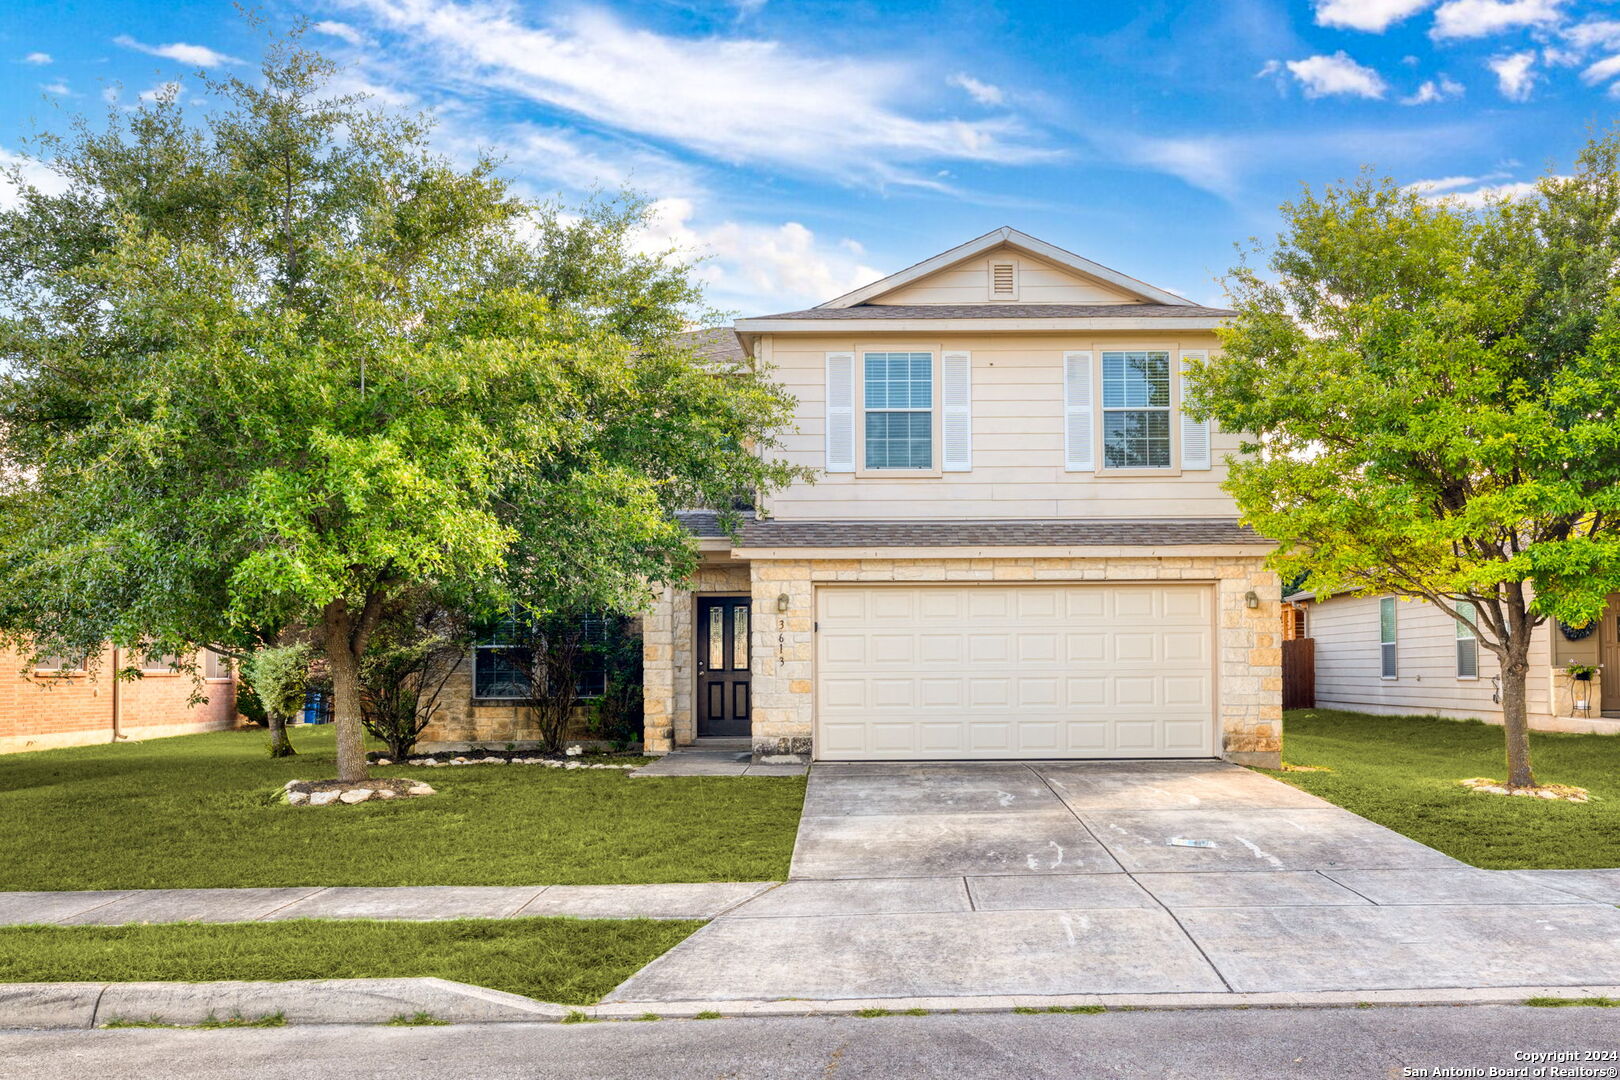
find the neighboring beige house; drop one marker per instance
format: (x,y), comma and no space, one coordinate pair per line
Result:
(1385,654)
(1016,546)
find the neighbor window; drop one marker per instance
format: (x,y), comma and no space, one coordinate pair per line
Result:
(167,663)
(61,664)
(497,674)
(216,666)
(899,401)
(1136,410)
(1467,643)
(1386,637)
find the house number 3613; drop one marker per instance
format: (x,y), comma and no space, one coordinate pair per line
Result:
(781,641)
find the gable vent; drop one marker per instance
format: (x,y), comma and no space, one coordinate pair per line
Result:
(1003,281)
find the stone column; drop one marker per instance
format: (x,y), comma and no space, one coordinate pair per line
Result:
(658,675)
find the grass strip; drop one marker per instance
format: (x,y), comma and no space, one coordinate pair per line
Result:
(567,961)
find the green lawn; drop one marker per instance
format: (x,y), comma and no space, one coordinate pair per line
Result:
(1402,772)
(205,811)
(568,961)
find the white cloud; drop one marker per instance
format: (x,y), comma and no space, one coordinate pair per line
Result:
(340,30)
(733,99)
(37,58)
(1204,162)
(1326,76)
(59,88)
(1593,34)
(33,172)
(1445,190)
(195,55)
(543,160)
(1481,18)
(1433,90)
(982,92)
(1446,183)
(1601,71)
(759,268)
(1374,16)
(1515,74)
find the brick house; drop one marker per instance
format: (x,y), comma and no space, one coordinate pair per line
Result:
(57,703)
(1017,545)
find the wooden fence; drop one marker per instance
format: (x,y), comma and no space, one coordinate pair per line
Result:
(1299,673)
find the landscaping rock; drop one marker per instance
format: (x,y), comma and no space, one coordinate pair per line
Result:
(328,792)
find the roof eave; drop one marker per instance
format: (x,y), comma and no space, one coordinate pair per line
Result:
(1036,325)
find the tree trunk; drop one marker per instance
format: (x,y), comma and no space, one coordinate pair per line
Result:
(280,745)
(345,668)
(1515,717)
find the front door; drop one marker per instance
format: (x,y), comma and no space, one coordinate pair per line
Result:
(722,666)
(1609,655)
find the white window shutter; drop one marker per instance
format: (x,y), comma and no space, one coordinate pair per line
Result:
(840,412)
(1196,452)
(956,397)
(1077,413)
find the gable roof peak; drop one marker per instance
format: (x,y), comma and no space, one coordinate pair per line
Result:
(995,238)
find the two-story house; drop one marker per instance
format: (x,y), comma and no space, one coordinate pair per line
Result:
(1017,545)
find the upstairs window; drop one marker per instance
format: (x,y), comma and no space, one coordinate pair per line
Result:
(1136,410)
(898,397)
(1386,637)
(1467,643)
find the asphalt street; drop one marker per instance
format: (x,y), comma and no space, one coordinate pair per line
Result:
(1338,1043)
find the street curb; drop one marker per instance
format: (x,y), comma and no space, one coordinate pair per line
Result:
(378,1001)
(311,1001)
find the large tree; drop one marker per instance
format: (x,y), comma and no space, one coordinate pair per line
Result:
(1433,403)
(276,363)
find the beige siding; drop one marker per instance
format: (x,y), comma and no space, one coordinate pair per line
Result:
(1347,663)
(1017,436)
(1039,282)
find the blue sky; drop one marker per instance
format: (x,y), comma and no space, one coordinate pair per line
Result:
(810,147)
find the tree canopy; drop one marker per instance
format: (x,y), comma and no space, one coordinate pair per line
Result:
(282,364)
(1433,403)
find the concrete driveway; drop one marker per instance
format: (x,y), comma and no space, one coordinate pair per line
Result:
(1119,877)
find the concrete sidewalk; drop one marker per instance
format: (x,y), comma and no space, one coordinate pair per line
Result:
(1150,877)
(678,901)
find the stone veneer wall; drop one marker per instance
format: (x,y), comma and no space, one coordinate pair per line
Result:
(464,719)
(1249,650)
(667,644)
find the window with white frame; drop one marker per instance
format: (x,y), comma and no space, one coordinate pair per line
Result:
(1136,409)
(216,666)
(898,398)
(1467,642)
(62,665)
(1386,637)
(164,663)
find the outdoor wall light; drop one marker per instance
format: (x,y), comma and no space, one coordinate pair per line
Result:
(782,602)
(1251,599)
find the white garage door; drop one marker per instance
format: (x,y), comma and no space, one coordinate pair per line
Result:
(1037,671)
